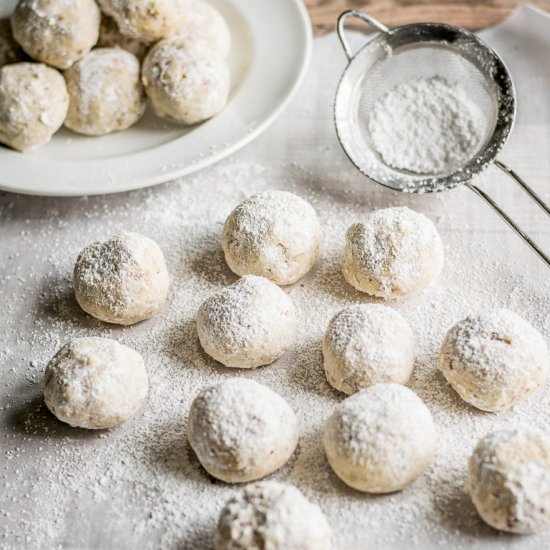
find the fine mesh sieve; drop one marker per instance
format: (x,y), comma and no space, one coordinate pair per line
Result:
(426,50)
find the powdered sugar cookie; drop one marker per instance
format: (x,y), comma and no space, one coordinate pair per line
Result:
(56,32)
(274,234)
(122,280)
(95,383)
(494,359)
(111,37)
(147,21)
(380,439)
(241,430)
(206,31)
(509,479)
(392,253)
(272,515)
(366,344)
(248,324)
(33,104)
(10,50)
(183,85)
(105,92)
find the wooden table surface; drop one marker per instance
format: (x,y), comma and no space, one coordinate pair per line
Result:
(472,14)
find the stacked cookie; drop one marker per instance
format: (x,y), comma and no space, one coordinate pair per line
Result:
(84,67)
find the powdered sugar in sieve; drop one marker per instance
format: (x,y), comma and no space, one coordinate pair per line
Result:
(426,126)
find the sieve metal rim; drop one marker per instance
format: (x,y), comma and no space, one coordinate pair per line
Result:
(451,37)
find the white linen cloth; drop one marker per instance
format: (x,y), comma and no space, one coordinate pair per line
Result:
(138,486)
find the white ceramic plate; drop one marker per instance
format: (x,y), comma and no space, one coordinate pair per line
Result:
(270,54)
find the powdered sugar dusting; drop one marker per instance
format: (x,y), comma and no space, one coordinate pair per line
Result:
(141,482)
(205,26)
(140,486)
(175,64)
(57,32)
(145,20)
(104,268)
(97,64)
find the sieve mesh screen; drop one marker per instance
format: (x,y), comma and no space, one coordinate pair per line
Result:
(427,61)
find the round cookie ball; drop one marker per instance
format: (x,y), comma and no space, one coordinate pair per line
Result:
(184,87)
(248,324)
(145,20)
(380,439)
(56,32)
(10,50)
(509,479)
(206,30)
(95,383)
(241,430)
(272,515)
(494,359)
(393,252)
(33,105)
(274,234)
(111,37)
(105,92)
(122,280)
(367,344)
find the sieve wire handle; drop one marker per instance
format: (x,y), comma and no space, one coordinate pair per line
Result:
(523,185)
(358,15)
(534,247)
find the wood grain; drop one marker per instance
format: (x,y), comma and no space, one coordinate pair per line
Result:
(472,14)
